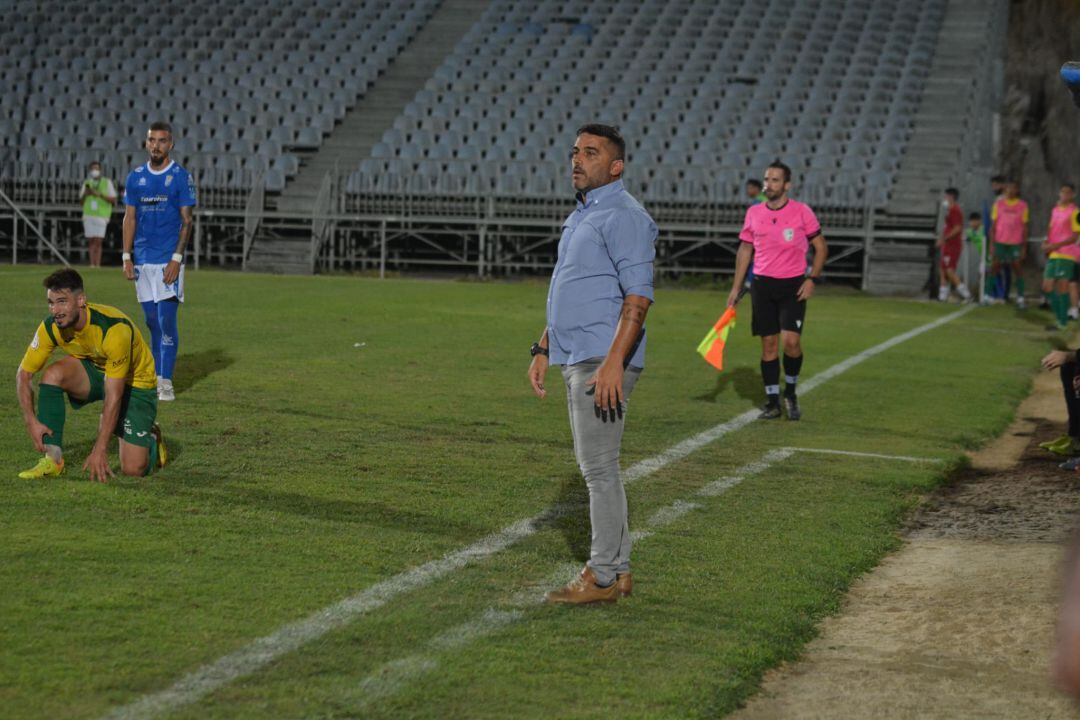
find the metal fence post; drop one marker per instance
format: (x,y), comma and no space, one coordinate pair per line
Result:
(382,249)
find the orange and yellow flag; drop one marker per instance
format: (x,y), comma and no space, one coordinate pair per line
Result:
(712,347)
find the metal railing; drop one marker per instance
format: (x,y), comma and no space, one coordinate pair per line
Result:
(253,212)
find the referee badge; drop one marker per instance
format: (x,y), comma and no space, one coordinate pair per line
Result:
(789,234)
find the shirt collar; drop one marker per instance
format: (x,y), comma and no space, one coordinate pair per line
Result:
(598,194)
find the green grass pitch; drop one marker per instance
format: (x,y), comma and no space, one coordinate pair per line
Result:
(331,432)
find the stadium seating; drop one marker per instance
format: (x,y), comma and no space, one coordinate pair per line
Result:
(707,92)
(242,83)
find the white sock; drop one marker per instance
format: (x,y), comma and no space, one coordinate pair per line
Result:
(943,293)
(164,382)
(1074,314)
(55,453)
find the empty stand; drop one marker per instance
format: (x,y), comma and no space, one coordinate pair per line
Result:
(241,84)
(706,93)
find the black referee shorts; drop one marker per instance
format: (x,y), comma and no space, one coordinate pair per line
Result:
(776,305)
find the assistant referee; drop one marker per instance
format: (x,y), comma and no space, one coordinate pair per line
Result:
(776,235)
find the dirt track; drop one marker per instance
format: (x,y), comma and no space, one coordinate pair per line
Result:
(959,622)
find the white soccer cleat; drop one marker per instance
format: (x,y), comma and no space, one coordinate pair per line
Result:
(165,391)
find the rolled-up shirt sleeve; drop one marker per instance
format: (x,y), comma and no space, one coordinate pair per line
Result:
(630,237)
(747,232)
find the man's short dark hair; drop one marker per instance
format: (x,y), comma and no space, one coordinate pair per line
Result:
(974,216)
(953,193)
(781,166)
(64,279)
(755,182)
(1069,185)
(998,179)
(608,132)
(161,125)
(93,163)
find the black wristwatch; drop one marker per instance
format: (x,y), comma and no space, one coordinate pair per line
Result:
(536,349)
(815,279)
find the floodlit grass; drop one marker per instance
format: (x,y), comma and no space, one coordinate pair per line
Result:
(306,468)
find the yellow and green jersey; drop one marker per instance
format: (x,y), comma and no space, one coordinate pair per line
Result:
(109,340)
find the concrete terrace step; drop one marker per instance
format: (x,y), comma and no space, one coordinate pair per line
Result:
(363,126)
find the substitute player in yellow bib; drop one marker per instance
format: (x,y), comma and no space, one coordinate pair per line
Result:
(108,360)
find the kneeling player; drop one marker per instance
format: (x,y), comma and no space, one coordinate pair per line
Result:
(107,359)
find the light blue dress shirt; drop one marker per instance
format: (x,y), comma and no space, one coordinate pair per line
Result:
(606,253)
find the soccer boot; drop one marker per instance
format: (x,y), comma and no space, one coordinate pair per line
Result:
(1071,464)
(791,407)
(625,583)
(1021,304)
(45,468)
(1072,447)
(162,451)
(583,590)
(165,391)
(1064,441)
(770,411)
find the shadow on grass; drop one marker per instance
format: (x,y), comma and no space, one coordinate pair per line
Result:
(745,380)
(193,367)
(570,516)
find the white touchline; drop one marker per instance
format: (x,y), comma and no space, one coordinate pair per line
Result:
(396,674)
(262,651)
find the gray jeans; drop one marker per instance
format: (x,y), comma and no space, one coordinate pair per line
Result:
(596,445)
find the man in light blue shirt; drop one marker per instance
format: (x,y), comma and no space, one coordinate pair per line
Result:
(600,293)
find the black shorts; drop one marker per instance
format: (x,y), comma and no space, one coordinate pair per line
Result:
(776,305)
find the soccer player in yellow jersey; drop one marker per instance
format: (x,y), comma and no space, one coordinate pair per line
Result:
(107,359)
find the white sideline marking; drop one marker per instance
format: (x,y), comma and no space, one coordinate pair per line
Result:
(904,458)
(262,651)
(396,674)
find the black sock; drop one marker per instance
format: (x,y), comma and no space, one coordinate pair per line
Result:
(792,366)
(770,375)
(1072,403)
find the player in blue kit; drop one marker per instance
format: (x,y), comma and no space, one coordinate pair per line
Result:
(157,226)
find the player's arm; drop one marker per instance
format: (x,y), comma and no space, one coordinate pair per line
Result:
(743,256)
(172,270)
(24,389)
(539,366)
(97,462)
(608,379)
(1024,236)
(129,241)
(821,254)
(111,190)
(36,356)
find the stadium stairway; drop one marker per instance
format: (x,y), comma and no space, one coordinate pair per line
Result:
(361,128)
(900,261)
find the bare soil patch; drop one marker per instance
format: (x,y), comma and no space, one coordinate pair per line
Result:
(959,622)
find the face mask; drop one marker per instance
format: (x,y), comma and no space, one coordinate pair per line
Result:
(95,174)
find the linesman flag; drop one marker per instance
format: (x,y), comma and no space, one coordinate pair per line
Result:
(712,347)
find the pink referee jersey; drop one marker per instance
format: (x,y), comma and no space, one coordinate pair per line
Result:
(1064,224)
(780,238)
(1009,221)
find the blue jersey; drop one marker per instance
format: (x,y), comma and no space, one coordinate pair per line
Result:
(157,197)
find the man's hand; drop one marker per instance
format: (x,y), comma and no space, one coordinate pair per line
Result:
(806,290)
(172,271)
(36,431)
(607,389)
(129,270)
(537,372)
(1055,359)
(733,296)
(97,462)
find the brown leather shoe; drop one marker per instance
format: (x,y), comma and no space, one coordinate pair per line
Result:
(583,590)
(625,583)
